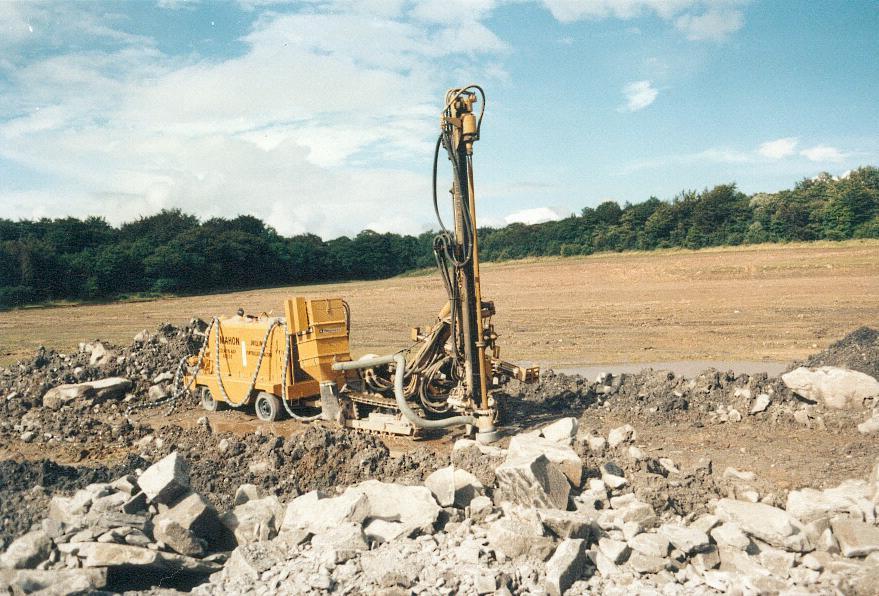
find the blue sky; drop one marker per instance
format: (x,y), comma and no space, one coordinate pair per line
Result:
(320,115)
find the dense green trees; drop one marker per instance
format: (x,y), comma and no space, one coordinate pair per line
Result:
(174,252)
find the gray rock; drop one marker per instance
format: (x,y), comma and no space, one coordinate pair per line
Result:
(255,520)
(870,425)
(126,484)
(730,535)
(27,551)
(809,504)
(245,493)
(652,545)
(641,563)
(250,561)
(596,444)
(61,395)
(316,513)
(97,554)
(347,538)
(873,483)
(177,537)
(110,388)
(835,387)
(616,551)
(157,392)
(621,434)
(561,431)
(686,539)
(761,403)
(778,562)
(519,533)
(56,582)
(99,354)
(413,506)
(770,524)
(28,436)
(524,448)
(454,486)
(166,479)
(567,564)
(533,482)
(136,503)
(566,524)
(855,538)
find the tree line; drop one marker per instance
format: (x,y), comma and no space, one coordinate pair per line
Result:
(175,253)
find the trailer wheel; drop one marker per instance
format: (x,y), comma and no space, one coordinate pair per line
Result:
(208,403)
(267,406)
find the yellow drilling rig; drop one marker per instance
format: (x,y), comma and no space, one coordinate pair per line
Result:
(301,363)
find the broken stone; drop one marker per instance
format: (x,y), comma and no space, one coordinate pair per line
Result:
(255,520)
(520,532)
(686,539)
(855,538)
(835,387)
(596,444)
(761,403)
(770,524)
(621,434)
(96,554)
(27,551)
(135,504)
(652,545)
(250,561)
(533,481)
(642,563)
(348,538)
(316,513)
(64,394)
(245,493)
(454,486)
(869,426)
(616,551)
(778,562)
(110,388)
(705,523)
(412,506)
(566,565)
(566,524)
(561,431)
(730,535)
(809,504)
(177,537)
(166,479)
(523,448)
(52,582)
(731,473)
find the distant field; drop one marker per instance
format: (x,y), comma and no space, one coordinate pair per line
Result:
(766,302)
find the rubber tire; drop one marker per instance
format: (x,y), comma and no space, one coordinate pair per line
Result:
(208,403)
(267,407)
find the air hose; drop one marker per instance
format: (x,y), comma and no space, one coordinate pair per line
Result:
(400,361)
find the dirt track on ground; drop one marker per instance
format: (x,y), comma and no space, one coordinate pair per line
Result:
(769,302)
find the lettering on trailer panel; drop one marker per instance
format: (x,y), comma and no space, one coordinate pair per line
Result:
(243,356)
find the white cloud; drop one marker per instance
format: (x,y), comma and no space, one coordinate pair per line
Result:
(778,148)
(297,130)
(699,19)
(715,24)
(639,95)
(823,153)
(534,215)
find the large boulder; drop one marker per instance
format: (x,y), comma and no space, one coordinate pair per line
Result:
(64,394)
(255,520)
(770,524)
(99,554)
(315,513)
(835,387)
(188,526)
(527,447)
(855,538)
(27,551)
(532,482)
(566,566)
(454,486)
(809,504)
(166,479)
(519,533)
(412,508)
(54,582)
(110,388)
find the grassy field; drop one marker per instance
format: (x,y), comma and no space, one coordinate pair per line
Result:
(765,302)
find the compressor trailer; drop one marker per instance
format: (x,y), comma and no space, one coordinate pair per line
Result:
(301,363)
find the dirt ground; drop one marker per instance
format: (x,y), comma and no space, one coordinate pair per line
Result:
(768,303)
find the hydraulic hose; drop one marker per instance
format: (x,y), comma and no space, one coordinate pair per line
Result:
(400,372)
